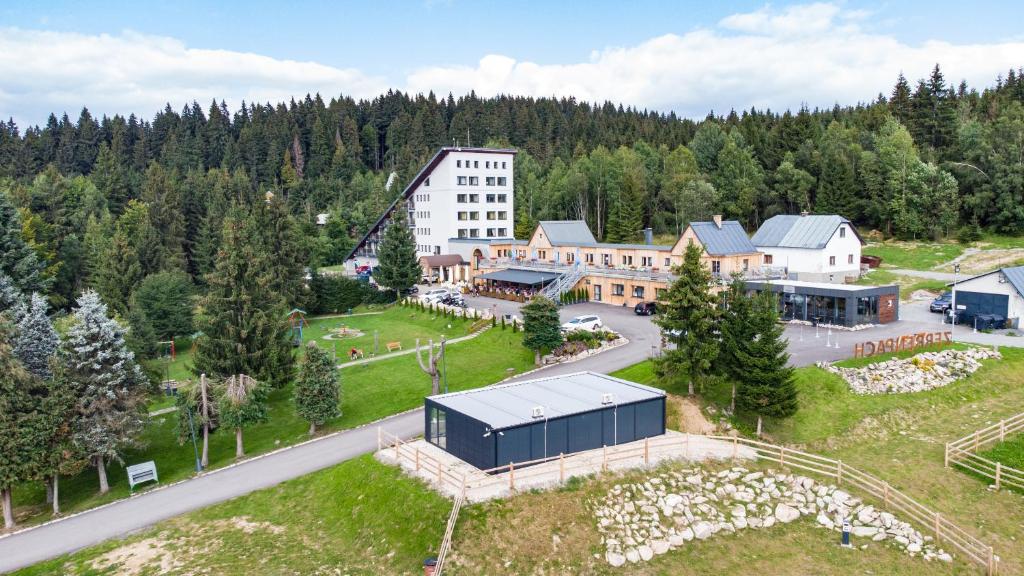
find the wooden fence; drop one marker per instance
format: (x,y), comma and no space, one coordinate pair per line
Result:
(640,453)
(964,453)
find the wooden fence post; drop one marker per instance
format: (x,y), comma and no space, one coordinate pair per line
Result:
(782,455)
(991,561)
(976,439)
(1002,430)
(999,473)
(885,496)
(561,468)
(735,447)
(647,458)
(839,472)
(511,476)
(947,456)
(938,531)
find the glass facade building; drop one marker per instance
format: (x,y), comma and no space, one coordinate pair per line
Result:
(834,304)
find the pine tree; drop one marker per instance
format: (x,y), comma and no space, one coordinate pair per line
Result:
(397,268)
(35,340)
(17,259)
(688,320)
(61,455)
(317,393)
(541,326)
(766,386)
(108,384)
(166,300)
(244,325)
(243,402)
(737,333)
(22,429)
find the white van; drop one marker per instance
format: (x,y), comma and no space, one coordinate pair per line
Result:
(434,295)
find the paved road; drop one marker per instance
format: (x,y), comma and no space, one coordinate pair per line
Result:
(807,346)
(944,276)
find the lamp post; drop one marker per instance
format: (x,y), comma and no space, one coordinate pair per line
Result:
(953,310)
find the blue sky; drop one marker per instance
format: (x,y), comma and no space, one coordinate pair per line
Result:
(666,55)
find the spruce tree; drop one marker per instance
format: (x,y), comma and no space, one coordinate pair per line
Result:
(737,333)
(22,429)
(541,326)
(766,385)
(11,297)
(244,324)
(166,300)
(17,259)
(108,384)
(688,320)
(317,393)
(35,340)
(398,267)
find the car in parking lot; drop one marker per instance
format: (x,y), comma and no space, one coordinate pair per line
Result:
(435,295)
(645,309)
(942,303)
(586,323)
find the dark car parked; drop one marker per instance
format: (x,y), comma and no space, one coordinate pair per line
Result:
(645,309)
(942,303)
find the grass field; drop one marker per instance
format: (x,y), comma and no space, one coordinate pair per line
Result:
(908,284)
(1008,453)
(992,251)
(360,517)
(369,392)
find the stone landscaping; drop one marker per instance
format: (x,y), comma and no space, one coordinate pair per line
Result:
(640,520)
(921,372)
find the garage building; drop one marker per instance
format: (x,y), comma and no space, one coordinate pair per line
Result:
(998,293)
(534,419)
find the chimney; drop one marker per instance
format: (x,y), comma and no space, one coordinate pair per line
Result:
(648,235)
(803,213)
(718,220)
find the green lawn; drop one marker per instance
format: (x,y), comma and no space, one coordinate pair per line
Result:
(369,392)
(360,517)
(914,255)
(908,284)
(1008,453)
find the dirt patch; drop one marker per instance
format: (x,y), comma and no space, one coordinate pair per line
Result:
(690,416)
(987,260)
(923,295)
(139,557)
(246,525)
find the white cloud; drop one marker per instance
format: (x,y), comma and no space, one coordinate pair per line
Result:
(47,72)
(818,54)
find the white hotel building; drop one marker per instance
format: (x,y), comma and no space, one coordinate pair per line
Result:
(461,194)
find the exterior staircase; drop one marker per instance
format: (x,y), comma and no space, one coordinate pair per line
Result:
(567,281)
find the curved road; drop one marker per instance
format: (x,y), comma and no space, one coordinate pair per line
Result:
(40,543)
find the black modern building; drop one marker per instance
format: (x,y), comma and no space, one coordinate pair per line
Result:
(524,421)
(836,304)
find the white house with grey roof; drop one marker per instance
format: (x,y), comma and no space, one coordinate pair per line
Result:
(811,247)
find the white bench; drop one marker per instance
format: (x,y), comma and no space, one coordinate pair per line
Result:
(139,473)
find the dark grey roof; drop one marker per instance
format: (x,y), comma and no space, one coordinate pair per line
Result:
(730,239)
(798,231)
(567,232)
(518,276)
(509,405)
(1014,275)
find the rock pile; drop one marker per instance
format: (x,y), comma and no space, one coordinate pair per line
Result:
(921,372)
(640,520)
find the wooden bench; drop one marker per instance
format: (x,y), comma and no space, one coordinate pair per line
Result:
(139,473)
(392,346)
